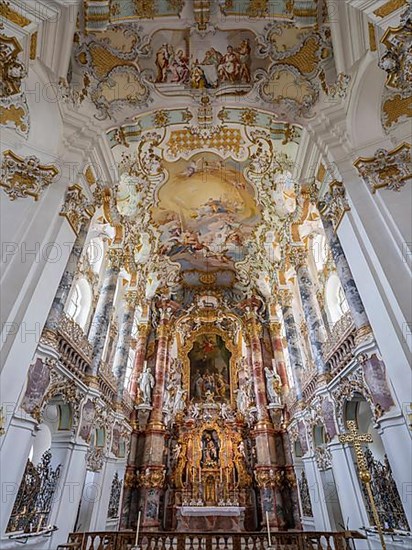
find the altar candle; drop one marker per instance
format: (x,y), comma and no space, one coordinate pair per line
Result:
(267,523)
(138,527)
(221,475)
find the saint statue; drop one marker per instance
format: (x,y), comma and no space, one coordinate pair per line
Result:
(180,401)
(242,400)
(146,384)
(273,385)
(210,449)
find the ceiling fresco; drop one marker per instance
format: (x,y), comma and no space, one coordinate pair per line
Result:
(206,213)
(218,217)
(204,105)
(225,48)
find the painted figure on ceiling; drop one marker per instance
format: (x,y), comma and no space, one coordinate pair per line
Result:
(164,58)
(180,68)
(229,66)
(198,79)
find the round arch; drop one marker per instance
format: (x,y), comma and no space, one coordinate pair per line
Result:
(364,121)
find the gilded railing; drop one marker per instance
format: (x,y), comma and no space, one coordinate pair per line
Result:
(35,497)
(107,382)
(337,350)
(125,540)
(73,345)
(76,353)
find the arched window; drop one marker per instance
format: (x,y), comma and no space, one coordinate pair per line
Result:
(335,300)
(319,435)
(80,302)
(319,251)
(74,303)
(41,444)
(95,254)
(129,367)
(298,449)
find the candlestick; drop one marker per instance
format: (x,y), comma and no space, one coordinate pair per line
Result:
(267,523)
(138,527)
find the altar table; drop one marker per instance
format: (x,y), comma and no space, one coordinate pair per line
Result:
(210,518)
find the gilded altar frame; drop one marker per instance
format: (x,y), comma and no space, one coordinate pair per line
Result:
(235,350)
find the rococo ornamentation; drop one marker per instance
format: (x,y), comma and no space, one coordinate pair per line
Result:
(334,203)
(23,177)
(397,61)
(14,111)
(76,207)
(390,169)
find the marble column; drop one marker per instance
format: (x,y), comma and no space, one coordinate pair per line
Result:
(311,309)
(130,491)
(263,431)
(345,275)
(153,459)
(293,493)
(139,357)
(129,499)
(254,330)
(156,419)
(101,319)
(277,345)
(123,343)
(67,279)
(295,355)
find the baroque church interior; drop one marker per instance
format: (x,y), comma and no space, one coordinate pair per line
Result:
(206,274)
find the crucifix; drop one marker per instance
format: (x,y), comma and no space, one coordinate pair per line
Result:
(356,439)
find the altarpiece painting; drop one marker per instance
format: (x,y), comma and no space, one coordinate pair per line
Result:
(209,369)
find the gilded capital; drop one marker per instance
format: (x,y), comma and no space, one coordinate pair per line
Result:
(76,208)
(131,297)
(334,203)
(114,258)
(297,256)
(285,297)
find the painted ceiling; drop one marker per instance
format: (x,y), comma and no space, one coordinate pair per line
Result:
(203,105)
(277,53)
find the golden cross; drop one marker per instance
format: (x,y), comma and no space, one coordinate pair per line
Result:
(356,439)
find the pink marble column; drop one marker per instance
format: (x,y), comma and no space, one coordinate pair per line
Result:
(263,432)
(254,330)
(277,345)
(153,460)
(156,419)
(139,358)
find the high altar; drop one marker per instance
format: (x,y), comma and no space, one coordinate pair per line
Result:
(212,455)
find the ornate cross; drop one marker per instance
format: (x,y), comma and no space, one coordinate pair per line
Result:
(356,439)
